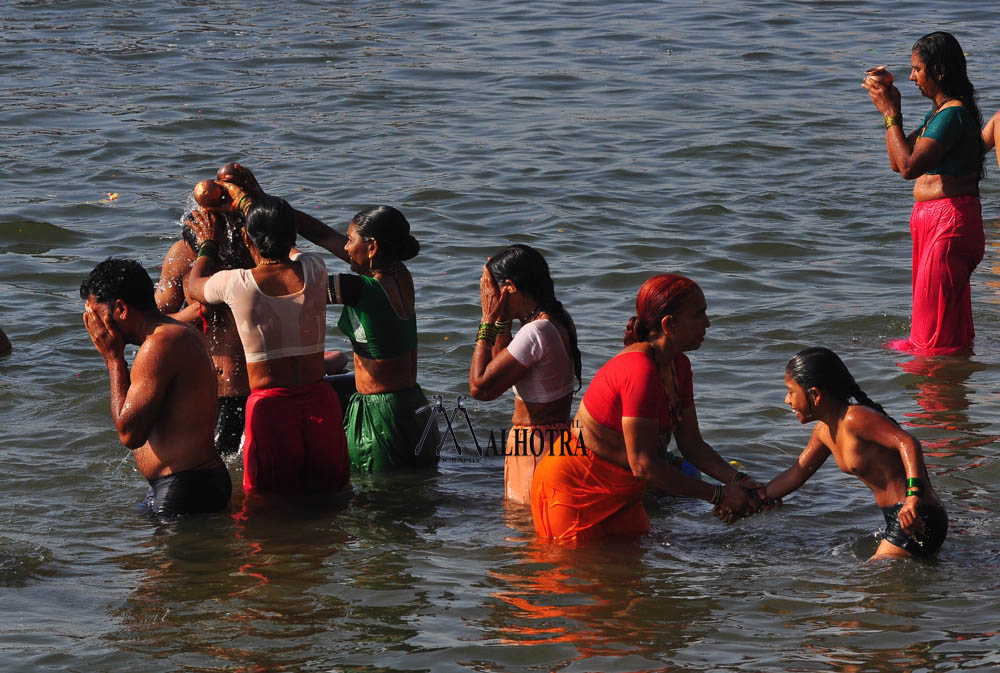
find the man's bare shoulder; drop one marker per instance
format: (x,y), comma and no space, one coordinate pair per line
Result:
(173,339)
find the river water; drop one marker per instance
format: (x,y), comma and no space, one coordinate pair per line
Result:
(729,141)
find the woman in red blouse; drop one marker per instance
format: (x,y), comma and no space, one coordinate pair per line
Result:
(591,484)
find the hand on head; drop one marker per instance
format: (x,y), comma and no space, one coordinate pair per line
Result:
(206,225)
(240,176)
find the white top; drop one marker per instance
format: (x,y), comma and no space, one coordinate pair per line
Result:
(539,346)
(275,327)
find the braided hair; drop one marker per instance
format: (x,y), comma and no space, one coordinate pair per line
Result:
(527,269)
(821,368)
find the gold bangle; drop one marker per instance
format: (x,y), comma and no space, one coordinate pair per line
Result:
(502,326)
(893,120)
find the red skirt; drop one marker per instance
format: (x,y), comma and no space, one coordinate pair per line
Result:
(948,244)
(294,440)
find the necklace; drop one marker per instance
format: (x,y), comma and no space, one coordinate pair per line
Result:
(674,410)
(268,262)
(938,106)
(525,319)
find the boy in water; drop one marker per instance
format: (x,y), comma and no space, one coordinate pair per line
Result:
(164,409)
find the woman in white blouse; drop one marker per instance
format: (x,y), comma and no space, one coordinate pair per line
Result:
(540,362)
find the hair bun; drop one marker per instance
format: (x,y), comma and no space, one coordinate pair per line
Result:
(409,248)
(630,336)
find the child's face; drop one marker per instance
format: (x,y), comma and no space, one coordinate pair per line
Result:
(798,399)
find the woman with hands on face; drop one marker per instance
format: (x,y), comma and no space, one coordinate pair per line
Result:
(592,482)
(540,362)
(867,443)
(944,158)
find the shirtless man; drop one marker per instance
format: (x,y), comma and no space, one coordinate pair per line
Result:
(220,330)
(164,408)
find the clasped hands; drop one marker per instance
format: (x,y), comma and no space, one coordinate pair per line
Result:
(743,499)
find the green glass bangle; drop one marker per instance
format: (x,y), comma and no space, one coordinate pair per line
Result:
(913,482)
(210,249)
(487,332)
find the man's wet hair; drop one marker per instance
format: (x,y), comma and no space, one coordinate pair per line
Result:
(123,279)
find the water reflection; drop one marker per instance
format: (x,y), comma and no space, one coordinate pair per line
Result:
(604,604)
(940,388)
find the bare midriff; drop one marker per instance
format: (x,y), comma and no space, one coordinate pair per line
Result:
(290,372)
(389,375)
(542,413)
(933,187)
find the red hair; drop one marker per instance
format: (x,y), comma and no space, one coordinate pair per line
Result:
(658,296)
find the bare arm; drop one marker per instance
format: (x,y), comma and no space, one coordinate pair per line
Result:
(641,435)
(206,228)
(170,290)
(910,156)
(134,407)
(321,234)
(990,130)
(871,426)
(810,460)
(699,452)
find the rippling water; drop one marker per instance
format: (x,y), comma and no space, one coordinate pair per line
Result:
(729,141)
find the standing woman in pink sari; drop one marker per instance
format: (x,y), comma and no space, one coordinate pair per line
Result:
(944,158)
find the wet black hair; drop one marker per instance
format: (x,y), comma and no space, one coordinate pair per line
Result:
(270,224)
(527,269)
(391,230)
(945,62)
(124,279)
(233,253)
(821,368)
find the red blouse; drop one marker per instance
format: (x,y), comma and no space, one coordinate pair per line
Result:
(629,385)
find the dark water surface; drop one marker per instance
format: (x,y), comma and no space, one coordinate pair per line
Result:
(728,141)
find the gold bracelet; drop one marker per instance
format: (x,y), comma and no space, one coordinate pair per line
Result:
(717,495)
(893,120)
(502,326)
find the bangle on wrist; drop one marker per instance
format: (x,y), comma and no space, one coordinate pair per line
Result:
(244,203)
(739,476)
(717,495)
(209,248)
(502,326)
(893,120)
(487,332)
